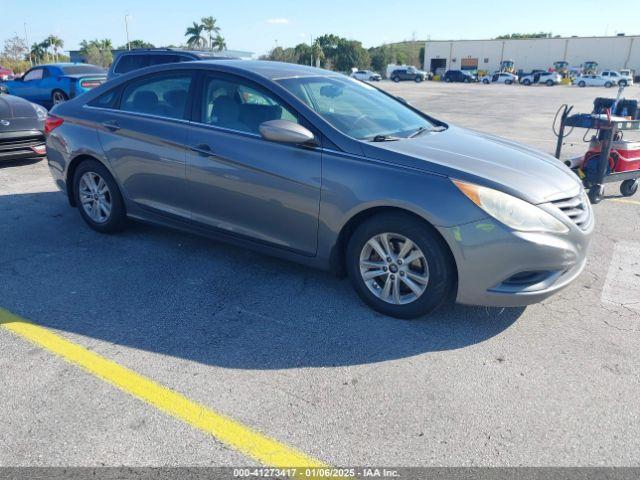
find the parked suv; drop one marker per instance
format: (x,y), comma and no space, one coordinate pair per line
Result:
(459,76)
(543,78)
(410,73)
(145,57)
(618,78)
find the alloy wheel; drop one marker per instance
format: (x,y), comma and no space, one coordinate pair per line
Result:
(394,268)
(58,97)
(95,197)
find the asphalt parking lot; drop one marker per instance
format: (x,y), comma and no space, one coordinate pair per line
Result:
(293,354)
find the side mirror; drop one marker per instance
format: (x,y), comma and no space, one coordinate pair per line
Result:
(284,131)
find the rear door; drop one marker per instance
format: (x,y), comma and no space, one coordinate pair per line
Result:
(241,184)
(144,139)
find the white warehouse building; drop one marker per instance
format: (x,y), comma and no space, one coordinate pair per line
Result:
(619,52)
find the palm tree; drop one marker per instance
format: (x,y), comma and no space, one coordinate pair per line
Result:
(317,53)
(56,43)
(195,36)
(209,26)
(219,43)
(37,52)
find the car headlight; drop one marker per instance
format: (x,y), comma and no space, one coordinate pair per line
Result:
(513,212)
(41,112)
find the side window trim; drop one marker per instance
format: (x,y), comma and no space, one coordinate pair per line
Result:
(197,97)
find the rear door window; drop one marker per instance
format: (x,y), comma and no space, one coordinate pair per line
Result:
(163,94)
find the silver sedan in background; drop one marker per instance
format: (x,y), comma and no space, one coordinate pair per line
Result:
(316,167)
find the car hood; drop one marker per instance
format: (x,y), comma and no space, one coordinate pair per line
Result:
(15,107)
(486,159)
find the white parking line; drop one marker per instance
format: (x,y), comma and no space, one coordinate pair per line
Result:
(622,286)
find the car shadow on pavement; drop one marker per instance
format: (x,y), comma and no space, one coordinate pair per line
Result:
(176,294)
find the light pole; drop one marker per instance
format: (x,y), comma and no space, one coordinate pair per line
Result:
(26,37)
(126,27)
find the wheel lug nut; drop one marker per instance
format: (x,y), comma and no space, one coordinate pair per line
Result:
(399,262)
(402,274)
(384,269)
(393,277)
(389,259)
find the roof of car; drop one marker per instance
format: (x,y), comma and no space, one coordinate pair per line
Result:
(173,51)
(274,70)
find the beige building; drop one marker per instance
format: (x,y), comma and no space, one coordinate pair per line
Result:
(614,53)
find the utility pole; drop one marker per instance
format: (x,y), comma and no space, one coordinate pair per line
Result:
(126,27)
(26,37)
(311,61)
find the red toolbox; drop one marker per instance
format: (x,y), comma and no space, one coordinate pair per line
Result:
(625,155)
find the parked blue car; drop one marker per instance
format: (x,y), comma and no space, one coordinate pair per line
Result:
(55,83)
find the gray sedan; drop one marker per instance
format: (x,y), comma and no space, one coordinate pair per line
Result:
(316,167)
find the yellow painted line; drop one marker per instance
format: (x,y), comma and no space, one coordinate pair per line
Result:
(245,440)
(622,200)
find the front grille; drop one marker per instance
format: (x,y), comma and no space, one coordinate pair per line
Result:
(576,208)
(20,146)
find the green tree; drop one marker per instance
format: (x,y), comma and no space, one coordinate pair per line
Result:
(56,43)
(381,57)
(209,26)
(97,52)
(219,43)
(137,44)
(318,53)
(37,53)
(519,36)
(195,39)
(350,54)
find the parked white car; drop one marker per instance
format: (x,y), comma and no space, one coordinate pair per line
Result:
(594,81)
(366,76)
(620,79)
(542,78)
(501,77)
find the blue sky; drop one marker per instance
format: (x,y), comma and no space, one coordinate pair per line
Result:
(257,25)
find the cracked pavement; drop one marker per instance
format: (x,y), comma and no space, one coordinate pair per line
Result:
(293,353)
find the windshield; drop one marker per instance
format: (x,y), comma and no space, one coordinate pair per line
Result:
(355,108)
(76,69)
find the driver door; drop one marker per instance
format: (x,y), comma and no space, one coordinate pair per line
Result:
(29,87)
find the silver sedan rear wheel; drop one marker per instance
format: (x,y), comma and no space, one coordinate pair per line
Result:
(95,197)
(394,268)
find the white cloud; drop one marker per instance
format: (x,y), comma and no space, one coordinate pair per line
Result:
(278,21)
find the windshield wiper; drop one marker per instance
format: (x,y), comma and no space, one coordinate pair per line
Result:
(385,138)
(427,129)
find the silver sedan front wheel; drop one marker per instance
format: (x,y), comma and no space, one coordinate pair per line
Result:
(95,197)
(394,268)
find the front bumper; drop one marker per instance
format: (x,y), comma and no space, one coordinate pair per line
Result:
(494,262)
(22,145)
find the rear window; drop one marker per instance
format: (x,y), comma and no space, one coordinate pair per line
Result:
(128,63)
(78,69)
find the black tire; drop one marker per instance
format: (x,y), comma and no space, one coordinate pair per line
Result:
(58,96)
(441,267)
(550,83)
(117,219)
(526,82)
(486,81)
(582,84)
(628,188)
(466,80)
(396,79)
(596,193)
(447,79)
(508,82)
(622,83)
(608,85)
(418,79)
